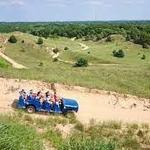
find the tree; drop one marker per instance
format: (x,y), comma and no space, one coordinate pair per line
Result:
(120,53)
(55,50)
(12,39)
(81,62)
(66,48)
(40,41)
(143,57)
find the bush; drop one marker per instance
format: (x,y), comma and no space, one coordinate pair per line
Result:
(143,57)
(120,53)
(12,39)
(81,62)
(3,64)
(145,45)
(22,50)
(40,41)
(66,48)
(22,41)
(108,39)
(55,59)
(55,50)
(41,64)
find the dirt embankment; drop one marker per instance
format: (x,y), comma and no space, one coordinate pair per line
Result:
(94,104)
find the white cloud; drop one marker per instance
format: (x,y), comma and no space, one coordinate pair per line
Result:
(11,3)
(17,2)
(98,3)
(130,2)
(57,3)
(93,2)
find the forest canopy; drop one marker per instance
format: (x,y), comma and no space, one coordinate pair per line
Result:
(135,31)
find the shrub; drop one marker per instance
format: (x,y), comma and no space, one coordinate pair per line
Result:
(22,50)
(79,126)
(143,57)
(81,62)
(128,38)
(3,64)
(40,41)
(22,41)
(55,50)
(108,39)
(41,64)
(55,59)
(120,53)
(12,39)
(145,45)
(66,48)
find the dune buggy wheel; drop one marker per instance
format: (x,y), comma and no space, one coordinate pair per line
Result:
(30,109)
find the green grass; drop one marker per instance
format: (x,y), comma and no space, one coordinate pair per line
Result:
(130,76)
(22,131)
(16,136)
(3,63)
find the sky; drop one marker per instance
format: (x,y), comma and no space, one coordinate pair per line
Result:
(73,10)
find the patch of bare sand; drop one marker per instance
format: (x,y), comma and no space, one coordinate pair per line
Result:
(93,103)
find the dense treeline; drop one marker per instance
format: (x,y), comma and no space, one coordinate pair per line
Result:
(137,32)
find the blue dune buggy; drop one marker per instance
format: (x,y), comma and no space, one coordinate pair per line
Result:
(34,105)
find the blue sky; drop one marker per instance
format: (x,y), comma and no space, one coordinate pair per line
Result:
(74,10)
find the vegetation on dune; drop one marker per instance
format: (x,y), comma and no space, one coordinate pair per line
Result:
(56,50)
(143,57)
(40,41)
(120,53)
(16,136)
(129,75)
(105,71)
(12,39)
(3,63)
(66,48)
(137,32)
(26,132)
(81,62)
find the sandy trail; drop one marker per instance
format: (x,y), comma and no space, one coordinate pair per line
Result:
(12,62)
(8,59)
(94,104)
(83,46)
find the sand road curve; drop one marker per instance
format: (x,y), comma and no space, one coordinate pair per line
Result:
(12,62)
(8,59)
(94,104)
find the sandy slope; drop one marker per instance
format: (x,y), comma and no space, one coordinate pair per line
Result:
(99,105)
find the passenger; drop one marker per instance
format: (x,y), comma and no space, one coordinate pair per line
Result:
(39,95)
(30,95)
(47,96)
(57,98)
(23,94)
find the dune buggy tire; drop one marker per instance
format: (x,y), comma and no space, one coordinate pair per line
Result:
(30,109)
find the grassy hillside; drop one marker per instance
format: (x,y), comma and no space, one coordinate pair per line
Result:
(124,75)
(22,131)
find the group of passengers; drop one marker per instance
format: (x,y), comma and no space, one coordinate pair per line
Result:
(48,97)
